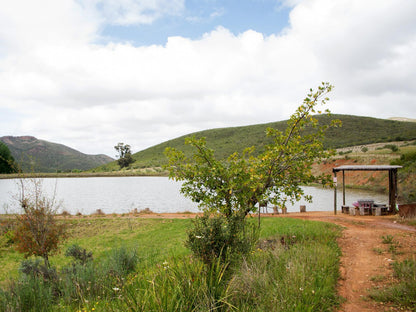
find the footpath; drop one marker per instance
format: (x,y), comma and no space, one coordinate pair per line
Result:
(366,260)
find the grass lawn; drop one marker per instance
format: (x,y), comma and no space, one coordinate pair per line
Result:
(294,268)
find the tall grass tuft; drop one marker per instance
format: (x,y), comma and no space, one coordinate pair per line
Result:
(301,278)
(181,285)
(402,294)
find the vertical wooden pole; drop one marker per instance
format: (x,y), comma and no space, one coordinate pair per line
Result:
(335,192)
(343,187)
(392,190)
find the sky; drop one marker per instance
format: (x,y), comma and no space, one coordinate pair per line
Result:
(92,73)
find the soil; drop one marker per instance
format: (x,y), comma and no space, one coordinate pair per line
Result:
(366,261)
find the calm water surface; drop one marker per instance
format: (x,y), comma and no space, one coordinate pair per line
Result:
(159,194)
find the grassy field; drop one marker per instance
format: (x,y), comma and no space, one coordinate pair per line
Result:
(142,265)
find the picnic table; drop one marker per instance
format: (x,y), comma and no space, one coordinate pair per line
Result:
(365,207)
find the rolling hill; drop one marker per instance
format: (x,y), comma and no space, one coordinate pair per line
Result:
(37,155)
(355,130)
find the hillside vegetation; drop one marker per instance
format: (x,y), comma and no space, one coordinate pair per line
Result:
(36,155)
(355,130)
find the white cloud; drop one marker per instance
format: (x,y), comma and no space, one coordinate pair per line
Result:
(134,12)
(67,89)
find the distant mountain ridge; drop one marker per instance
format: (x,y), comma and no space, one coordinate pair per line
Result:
(37,155)
(355,130)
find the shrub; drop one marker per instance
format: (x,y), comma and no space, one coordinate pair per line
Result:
(393,147)
(407,175)
(37,231)
(123,261)
(34,268)
(29,294)
(79,254)
(216,236)
(6,233)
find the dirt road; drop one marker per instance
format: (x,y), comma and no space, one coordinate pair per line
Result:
(366,260)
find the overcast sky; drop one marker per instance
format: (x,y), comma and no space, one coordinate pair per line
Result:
(92,73)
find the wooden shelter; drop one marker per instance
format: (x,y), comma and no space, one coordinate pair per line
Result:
(392,181)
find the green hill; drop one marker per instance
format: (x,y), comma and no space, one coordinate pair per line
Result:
(41,156)
(355,130)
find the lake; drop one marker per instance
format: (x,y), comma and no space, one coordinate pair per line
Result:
(159,194)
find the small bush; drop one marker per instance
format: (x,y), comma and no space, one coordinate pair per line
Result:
(388,239)
(34,268)
(214,237)
(79,254)
(6,233)
(393,147)
(123,261)
(28,294)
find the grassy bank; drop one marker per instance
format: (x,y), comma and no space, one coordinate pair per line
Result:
(142,265)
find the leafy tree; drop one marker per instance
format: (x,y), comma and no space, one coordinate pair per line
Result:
(37,231)
(7,164)
(235,186)
(124,155)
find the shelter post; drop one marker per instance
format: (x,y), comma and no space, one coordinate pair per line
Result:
(392,190)
(343,187)
(335,192)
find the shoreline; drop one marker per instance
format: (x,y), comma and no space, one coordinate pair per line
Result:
(79,175)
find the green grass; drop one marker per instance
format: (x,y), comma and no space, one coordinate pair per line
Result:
(295,268)
(403,293)
(101,235)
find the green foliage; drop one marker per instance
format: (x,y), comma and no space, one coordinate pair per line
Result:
(216,237)
(79,254)
(123,261)
(407,176)
(124,155)
(6,232)
(236,185)
(30,293)
(402,294)
(388,239)
(7,164)
(393,147)
(76,284)
(35,268)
